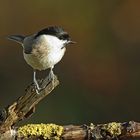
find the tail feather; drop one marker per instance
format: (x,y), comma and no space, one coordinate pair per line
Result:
(16,38)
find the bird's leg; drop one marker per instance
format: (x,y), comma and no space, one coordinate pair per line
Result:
(35,82)
(51,74)
(50,77)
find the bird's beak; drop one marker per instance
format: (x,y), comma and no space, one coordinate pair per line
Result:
(71,42)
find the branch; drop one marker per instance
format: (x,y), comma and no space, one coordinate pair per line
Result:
(24,107)
(110,131)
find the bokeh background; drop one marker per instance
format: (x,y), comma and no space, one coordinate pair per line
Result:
(100,75)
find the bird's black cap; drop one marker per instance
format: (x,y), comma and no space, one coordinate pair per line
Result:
(55,31)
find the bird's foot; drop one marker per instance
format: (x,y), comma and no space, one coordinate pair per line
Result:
(46,81)
(37,88)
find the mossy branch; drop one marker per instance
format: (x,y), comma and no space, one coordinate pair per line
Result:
(110,131)
(24,107)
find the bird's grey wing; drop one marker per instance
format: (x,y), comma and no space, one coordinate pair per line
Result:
(28,44)
(16,38)
(27,49)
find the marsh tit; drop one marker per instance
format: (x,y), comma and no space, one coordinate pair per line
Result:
(43,49)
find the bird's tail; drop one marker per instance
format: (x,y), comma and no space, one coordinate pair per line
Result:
(16,38)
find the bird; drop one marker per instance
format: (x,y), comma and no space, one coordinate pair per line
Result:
(44,49)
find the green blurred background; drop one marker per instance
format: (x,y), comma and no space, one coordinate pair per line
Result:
(100,75)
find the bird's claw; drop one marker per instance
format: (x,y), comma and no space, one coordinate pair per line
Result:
(37,89)
(47,80)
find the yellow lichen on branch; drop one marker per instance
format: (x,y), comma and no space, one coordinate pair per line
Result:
(46,131)
(113,128)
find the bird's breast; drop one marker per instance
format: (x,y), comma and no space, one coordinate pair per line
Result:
(43,58)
